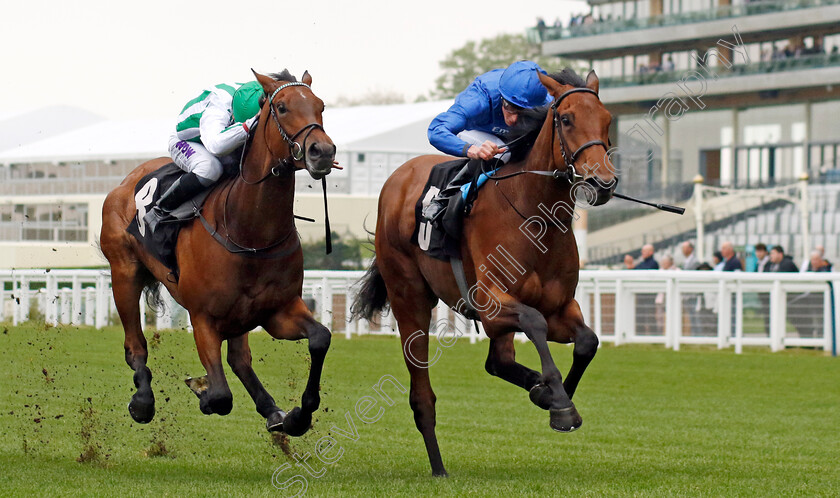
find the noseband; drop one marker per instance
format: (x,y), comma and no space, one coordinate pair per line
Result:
(569,158)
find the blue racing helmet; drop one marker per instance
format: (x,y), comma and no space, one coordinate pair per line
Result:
(520,85)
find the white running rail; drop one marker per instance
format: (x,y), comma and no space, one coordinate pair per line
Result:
(672,308)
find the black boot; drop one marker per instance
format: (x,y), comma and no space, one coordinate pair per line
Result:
(184,189)
(438,204)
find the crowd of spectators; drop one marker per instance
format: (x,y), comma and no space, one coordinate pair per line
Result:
(700,308)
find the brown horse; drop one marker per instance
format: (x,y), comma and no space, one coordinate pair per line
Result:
(228,291)
(534,263)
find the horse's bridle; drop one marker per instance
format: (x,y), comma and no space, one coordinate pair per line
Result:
(297,152)
(571,174)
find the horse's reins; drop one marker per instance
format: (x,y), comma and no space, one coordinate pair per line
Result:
(297,152)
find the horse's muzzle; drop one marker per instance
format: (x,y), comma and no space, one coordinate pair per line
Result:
(320,157)
(601,190)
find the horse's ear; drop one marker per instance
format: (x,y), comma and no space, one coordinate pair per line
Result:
(592,81)
(306,78)
(553,87)
(267,82)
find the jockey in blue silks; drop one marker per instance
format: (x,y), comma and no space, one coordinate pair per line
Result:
(482,115)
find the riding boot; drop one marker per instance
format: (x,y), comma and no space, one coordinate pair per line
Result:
(184,189)
(438,203)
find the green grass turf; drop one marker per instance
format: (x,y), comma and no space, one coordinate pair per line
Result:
(656,423)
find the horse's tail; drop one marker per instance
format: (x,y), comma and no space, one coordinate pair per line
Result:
(372,297)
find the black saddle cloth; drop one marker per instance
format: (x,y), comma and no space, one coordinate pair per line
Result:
(443,243)
(148,190)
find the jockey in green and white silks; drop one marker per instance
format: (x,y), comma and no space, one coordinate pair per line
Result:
(209,128)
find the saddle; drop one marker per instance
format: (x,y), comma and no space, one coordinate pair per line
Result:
(444,242)
(161,243)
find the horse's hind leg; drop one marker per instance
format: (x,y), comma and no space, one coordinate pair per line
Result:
(127,284)
(293,323)
(501,363)
(239,359)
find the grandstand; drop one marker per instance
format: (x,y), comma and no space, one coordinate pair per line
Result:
(744,94)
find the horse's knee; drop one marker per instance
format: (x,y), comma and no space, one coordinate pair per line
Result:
(586,342)
(319,340)
(239,364)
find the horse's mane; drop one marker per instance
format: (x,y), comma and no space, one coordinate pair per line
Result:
(530,121)
(283,75)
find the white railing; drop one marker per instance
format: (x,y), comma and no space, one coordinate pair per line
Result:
(673,308)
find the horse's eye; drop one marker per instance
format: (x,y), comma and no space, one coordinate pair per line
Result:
(564,119)
(281,108)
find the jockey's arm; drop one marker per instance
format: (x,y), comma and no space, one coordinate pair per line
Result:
(471,106)
(217,134)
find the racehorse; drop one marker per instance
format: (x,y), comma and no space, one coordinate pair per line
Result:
(534,263)
(250,275)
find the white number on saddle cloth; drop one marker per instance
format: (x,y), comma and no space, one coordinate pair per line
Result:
(424,234)
(144,197)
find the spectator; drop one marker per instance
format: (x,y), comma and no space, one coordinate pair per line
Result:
(690,262)
(717,261)
(818,263)
(647,263)
(806,265)
(779,263)
(669,64)
(730,260)
(629,262)
(763,297)
(763,258)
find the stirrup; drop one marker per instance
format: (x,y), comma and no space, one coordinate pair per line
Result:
(153,218)
(434,211)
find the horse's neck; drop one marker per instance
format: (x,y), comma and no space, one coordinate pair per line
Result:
(260,214)
(533,190)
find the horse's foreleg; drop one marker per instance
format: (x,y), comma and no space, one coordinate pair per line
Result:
(214,395)
(501,363)
(239,359)
(549,393)
(296,322)
(127,286)
(569,326)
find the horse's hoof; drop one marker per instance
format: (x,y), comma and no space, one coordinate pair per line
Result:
(565,419)
(220,405)
(198,385)
(274,422)
(297,422)
(440,473)
(540,395)
(142,408)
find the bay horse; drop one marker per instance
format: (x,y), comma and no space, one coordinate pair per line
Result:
(532,285)
(226,291)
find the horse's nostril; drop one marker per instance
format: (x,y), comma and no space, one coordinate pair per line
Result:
(314,151)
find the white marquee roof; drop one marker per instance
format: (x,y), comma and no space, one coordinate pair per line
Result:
(76,135)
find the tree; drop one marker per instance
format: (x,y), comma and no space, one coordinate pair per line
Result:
(371,97)
(347,254)
(462,65)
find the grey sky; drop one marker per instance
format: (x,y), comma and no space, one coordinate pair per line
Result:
(145,59)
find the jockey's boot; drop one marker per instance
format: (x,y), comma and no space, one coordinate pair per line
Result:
(437,205)
(184,189)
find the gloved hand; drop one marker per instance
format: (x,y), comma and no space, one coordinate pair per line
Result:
(250,124)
